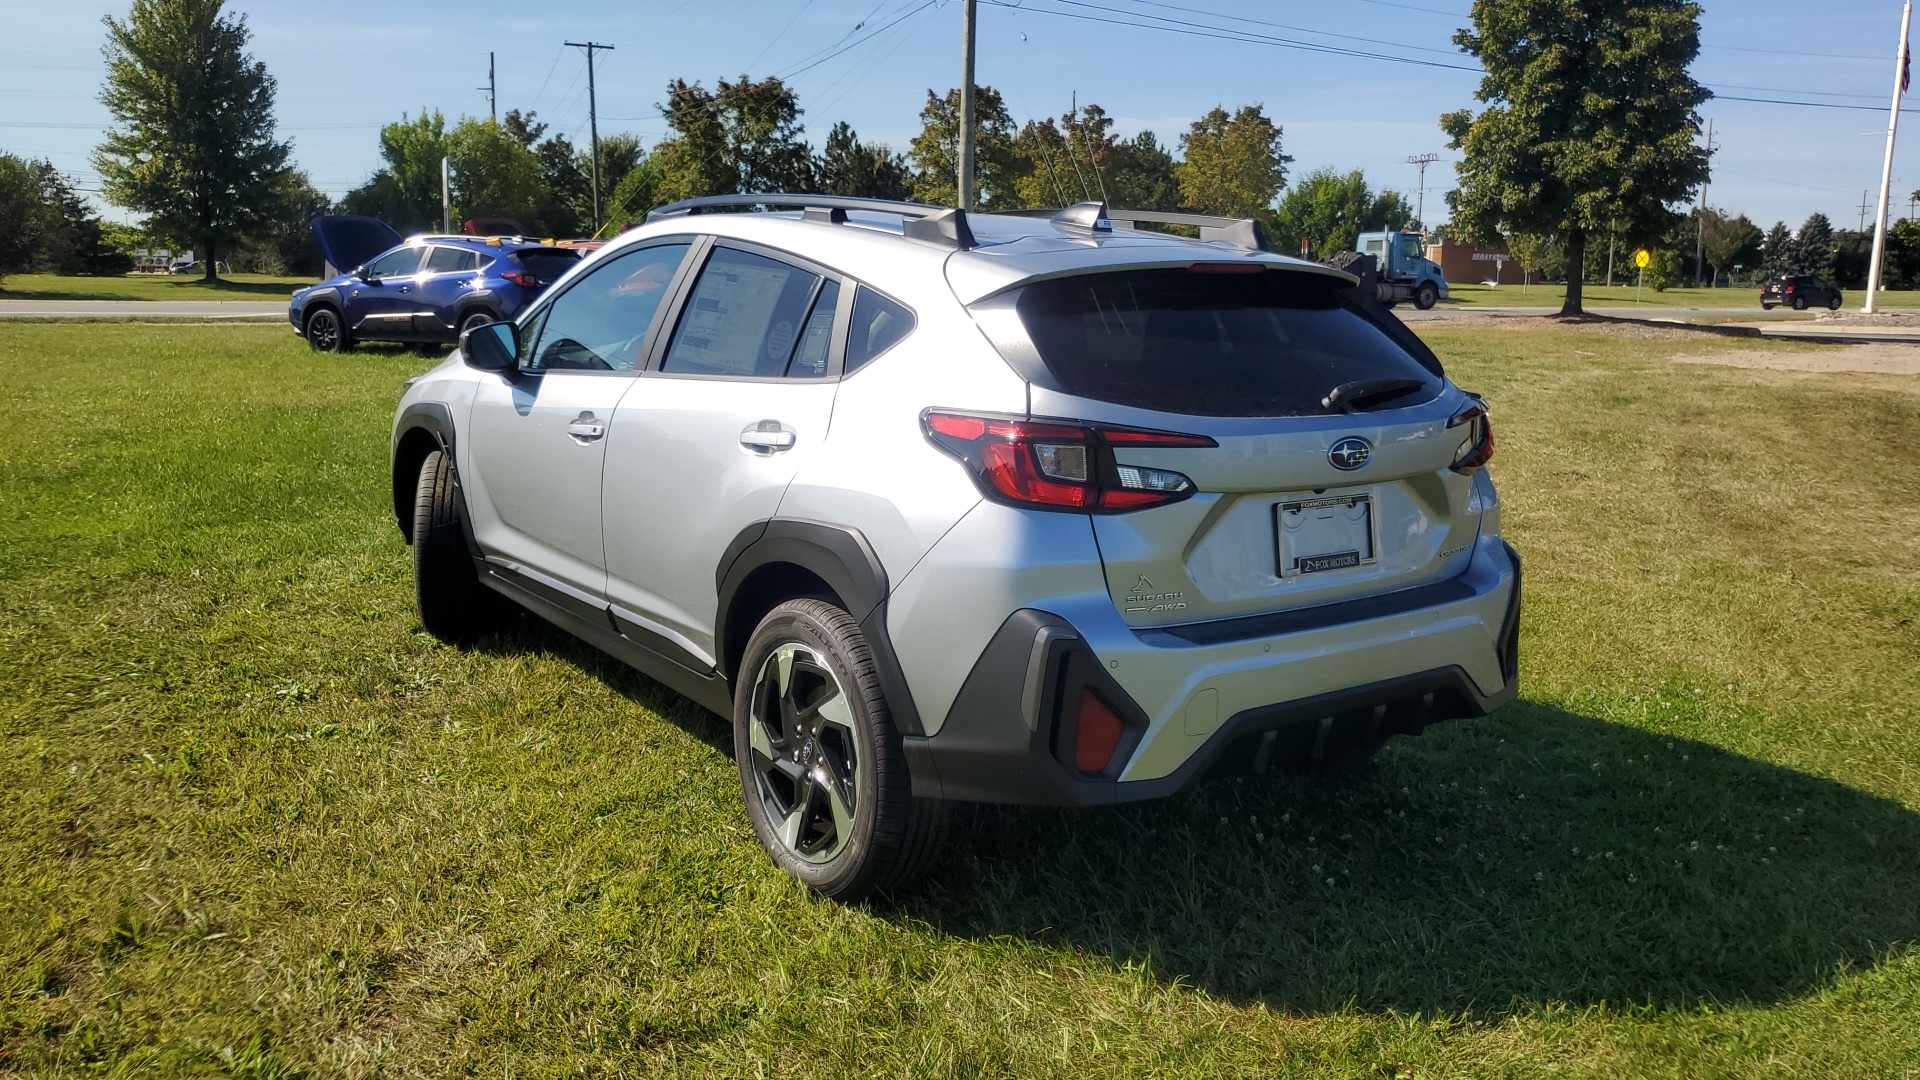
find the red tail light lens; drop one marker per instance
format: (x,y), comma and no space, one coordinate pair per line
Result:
(1053,465)
(524,279)
(1476,438)
(1096,734)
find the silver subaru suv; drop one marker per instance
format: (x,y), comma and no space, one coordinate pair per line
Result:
(944,507)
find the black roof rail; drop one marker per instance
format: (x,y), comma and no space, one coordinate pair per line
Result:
(942,226)
(1242,233)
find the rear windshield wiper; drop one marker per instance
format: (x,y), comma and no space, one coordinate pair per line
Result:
(1361,394)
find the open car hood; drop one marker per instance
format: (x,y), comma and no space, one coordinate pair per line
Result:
(348,241)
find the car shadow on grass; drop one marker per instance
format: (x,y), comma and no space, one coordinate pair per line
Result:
(1534,856)
(1531,857)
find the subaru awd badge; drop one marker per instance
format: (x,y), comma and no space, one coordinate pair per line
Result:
(1350,453)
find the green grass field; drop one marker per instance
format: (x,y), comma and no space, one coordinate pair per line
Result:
(148,287)
(253,822)
(1539,295)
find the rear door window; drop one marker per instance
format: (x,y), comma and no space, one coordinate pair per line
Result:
(744,317)
(1273,343)
(449,260)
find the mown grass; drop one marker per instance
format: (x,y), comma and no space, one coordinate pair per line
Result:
(1544,295)
(253,822)
(149,287)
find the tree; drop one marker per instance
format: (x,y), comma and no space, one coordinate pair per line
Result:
(1534,253)
(23,215)
(742,137)
(1814,242)
(406,193)
(285,245)
(637,194)
(1232,165)
(1591,117)
(935,152)
(847,166)
(1141,174)
(194,145)
(1778,251)
(1724,239)
(1329,210)
(494,174)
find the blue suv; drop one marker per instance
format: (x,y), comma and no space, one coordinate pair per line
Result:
(426,289)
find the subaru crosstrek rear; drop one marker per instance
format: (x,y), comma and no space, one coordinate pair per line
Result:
(942,507)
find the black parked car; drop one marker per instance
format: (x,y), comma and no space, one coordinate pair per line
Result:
(1800,292)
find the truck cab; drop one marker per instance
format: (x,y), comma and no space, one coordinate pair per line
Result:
(1404,268)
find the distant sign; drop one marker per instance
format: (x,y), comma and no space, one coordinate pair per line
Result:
(1641,258)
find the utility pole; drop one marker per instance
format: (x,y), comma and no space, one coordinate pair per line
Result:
(446,196)
(593,123)
(492,88)
(967,24)
(1886,171)
(1864,203)
(1421,161)
(1700,216)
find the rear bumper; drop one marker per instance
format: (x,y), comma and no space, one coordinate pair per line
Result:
(1223,698)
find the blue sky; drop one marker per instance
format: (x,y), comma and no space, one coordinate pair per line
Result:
(347,66)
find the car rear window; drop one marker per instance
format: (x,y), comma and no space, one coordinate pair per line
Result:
(547,263)
(1215,344)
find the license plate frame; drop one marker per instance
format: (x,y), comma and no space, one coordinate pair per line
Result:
(1311,542)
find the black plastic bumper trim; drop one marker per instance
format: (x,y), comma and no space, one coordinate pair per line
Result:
(1342,613)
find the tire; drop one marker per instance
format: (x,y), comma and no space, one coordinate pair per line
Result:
(454,606)
(1426,296)
(473,319)
(326,331)
(1833,303)
(828,794)
(1766,307)
(1799,303)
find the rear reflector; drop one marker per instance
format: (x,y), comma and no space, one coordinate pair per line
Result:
(1096,734)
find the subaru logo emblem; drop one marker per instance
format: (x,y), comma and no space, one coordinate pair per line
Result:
(1350,453)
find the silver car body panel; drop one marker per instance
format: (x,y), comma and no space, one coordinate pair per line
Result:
(678,485)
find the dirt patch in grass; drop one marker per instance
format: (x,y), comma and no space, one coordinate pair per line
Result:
(1875,359)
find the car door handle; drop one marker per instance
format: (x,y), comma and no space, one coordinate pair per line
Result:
(767,438)
(586,429)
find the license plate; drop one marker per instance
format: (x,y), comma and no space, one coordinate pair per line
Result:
(1317,535)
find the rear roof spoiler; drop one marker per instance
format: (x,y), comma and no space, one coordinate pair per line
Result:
(941,226)
(1244,234)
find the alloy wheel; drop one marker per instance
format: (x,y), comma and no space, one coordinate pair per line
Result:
(805,754)
(323,331)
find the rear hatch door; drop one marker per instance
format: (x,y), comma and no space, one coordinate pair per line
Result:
(1331,476)
(350,241)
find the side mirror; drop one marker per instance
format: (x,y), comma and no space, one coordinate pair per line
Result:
(363,274)
(494,346)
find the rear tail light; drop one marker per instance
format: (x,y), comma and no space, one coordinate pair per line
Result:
(524,279)
(1476,438)
(1792,288)
(1052,465)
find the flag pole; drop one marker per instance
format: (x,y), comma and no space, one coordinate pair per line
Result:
(1900,59)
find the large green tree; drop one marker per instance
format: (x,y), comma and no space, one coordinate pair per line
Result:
(193,144)
(936,151)
(742,137)
(494,174)
(405,193)
(1329,209)
(1725,239)
(1232,163)
(847,166)
(1815,245)
(1591,117)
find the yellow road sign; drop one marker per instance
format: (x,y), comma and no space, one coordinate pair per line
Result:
(1641,258)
